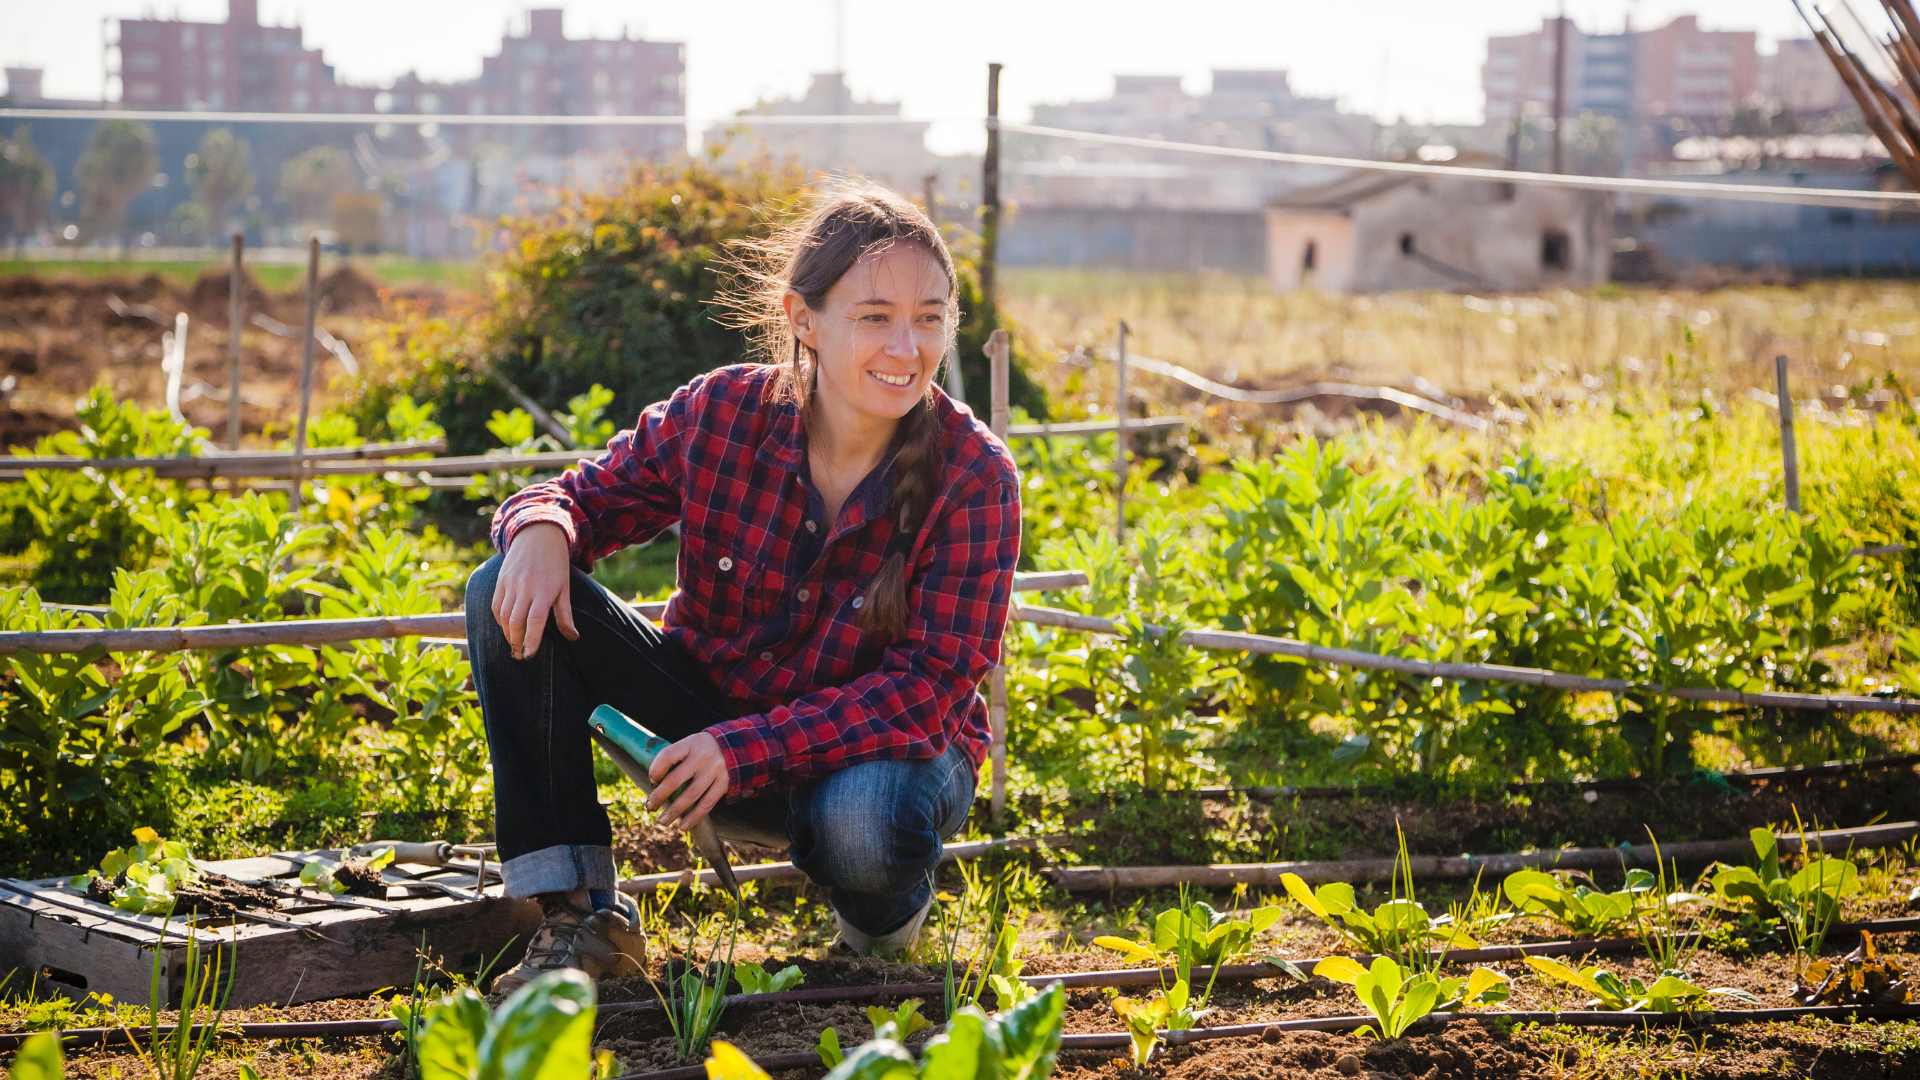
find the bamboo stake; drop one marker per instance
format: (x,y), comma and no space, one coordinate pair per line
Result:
(1120,435)
(447,624)
(990,195)
(306,370)
(1267,875)
(1789,450)
(173,363)
(1233,641)
(1903,12)
(1878,122)
(216,462)
(1000,382)
(235,279)
(786,871)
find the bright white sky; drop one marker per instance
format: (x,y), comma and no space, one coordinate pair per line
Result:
(1414,58)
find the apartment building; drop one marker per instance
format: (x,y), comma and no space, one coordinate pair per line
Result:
(1676,70)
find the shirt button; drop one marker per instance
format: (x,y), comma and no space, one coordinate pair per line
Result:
(859,601)
(803,594)
(726,563)
(766,658)
(813,526)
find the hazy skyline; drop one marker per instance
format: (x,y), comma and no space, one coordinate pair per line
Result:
(1391,58)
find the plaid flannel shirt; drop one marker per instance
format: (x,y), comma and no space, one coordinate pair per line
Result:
(769,593)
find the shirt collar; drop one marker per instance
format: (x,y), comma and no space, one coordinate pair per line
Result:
(785,448)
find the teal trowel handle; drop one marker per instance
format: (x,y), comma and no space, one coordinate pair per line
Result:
(626,733)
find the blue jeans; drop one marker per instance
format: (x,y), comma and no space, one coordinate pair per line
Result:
(871,833)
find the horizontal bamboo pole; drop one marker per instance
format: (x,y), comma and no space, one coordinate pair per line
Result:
(1232,641)
(1267,875)
(786,871)
(217,462)
(448,624)
(1095,427)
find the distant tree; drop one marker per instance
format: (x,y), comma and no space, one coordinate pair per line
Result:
(220,175)
(26,187)
(311,180)
(118,164)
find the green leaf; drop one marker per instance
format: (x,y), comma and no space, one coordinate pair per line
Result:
(1030,1033)
(1341,969)
(879,1059)
(962,1051)
(451,1035)
(1297,889)
(40,1058)
(1559,972)
(828,1047)
(544,1031)
(1131,949)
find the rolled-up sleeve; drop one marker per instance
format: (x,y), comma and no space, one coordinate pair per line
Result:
(625,496)
(958,598)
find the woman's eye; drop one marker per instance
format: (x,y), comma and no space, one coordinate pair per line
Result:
(876,318)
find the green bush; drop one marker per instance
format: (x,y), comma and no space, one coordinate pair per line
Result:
(616,288)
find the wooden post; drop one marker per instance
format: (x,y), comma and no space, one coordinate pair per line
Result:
(1120,436)
(930,196)
(997,350)
(306,368)
(1560,88)
(235,318)
(173,363)
(990,191)
(1789,452)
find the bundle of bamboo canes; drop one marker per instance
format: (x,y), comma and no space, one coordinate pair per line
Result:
(1892,110)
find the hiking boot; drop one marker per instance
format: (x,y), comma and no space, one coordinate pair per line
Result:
(602,943)
(860,943)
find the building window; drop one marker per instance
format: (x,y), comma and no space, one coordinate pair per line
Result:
(1841,218)
(1310,257)
(1556,250)
(1406,243)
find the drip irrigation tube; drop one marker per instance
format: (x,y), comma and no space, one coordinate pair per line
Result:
(1120,1040)
(1784,774)
(1108,878)
(1078,980)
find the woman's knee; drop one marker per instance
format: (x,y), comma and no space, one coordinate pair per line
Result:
(870,837)
(480,586)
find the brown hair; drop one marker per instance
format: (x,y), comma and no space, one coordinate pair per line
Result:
(844,223)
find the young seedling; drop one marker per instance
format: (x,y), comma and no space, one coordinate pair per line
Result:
(1805,904)
(1398,998)
(1020,1044)
(1664,933)
(144,878)
(178,1054)
(1582,909)
(695,997)
(752,978)
(1667,994)
(544,1029)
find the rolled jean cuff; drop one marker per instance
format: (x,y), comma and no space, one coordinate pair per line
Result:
(558,869)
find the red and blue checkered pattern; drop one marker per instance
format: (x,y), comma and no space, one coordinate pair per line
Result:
(769,593)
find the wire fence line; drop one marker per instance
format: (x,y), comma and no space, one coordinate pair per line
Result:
(1699,189)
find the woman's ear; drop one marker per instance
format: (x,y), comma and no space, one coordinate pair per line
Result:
(801,320)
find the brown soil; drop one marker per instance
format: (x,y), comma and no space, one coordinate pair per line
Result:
(58,338)
(361,879)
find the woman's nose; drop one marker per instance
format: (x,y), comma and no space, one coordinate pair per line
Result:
(900,342)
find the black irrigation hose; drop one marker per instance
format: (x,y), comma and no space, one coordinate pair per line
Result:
(1785,774)
(1078,980)
(1120,1040)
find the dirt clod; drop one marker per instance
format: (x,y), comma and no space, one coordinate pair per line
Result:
(361,879)
(1346,1063)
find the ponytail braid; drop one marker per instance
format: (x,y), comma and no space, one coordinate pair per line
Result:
(916,479)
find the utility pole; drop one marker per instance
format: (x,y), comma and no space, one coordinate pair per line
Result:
(1559,87)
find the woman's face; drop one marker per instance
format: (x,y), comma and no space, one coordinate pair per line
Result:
(880,336)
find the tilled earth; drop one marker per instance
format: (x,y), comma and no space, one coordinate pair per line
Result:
(60,336)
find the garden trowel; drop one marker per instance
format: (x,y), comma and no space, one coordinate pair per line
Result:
(633,748)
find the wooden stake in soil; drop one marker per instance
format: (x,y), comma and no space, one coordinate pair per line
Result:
(1789,451)
(306,369)
(1120,435)
(236,274)
(997,363)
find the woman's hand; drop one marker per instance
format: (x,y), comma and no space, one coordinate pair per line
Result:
(696,769)
(535,579)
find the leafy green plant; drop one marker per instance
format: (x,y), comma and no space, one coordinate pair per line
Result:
(993,962)
(325,874)
(695,996)
(1168,1008)
(40,1058)
(1018,1044)
(752,978)
(1667,994)
(179,1053)
(544,1029)
(1804,903)
(1574,904)
(142,878)
(1398,927)
(1665,931)
(1398,998)
(1192,934)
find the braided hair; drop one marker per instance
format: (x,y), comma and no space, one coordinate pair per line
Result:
(845,223)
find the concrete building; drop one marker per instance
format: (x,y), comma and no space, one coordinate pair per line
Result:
(1797,76)
(1250,108)
(893,151)
(236,64)
(1676,70)
(1370,232)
